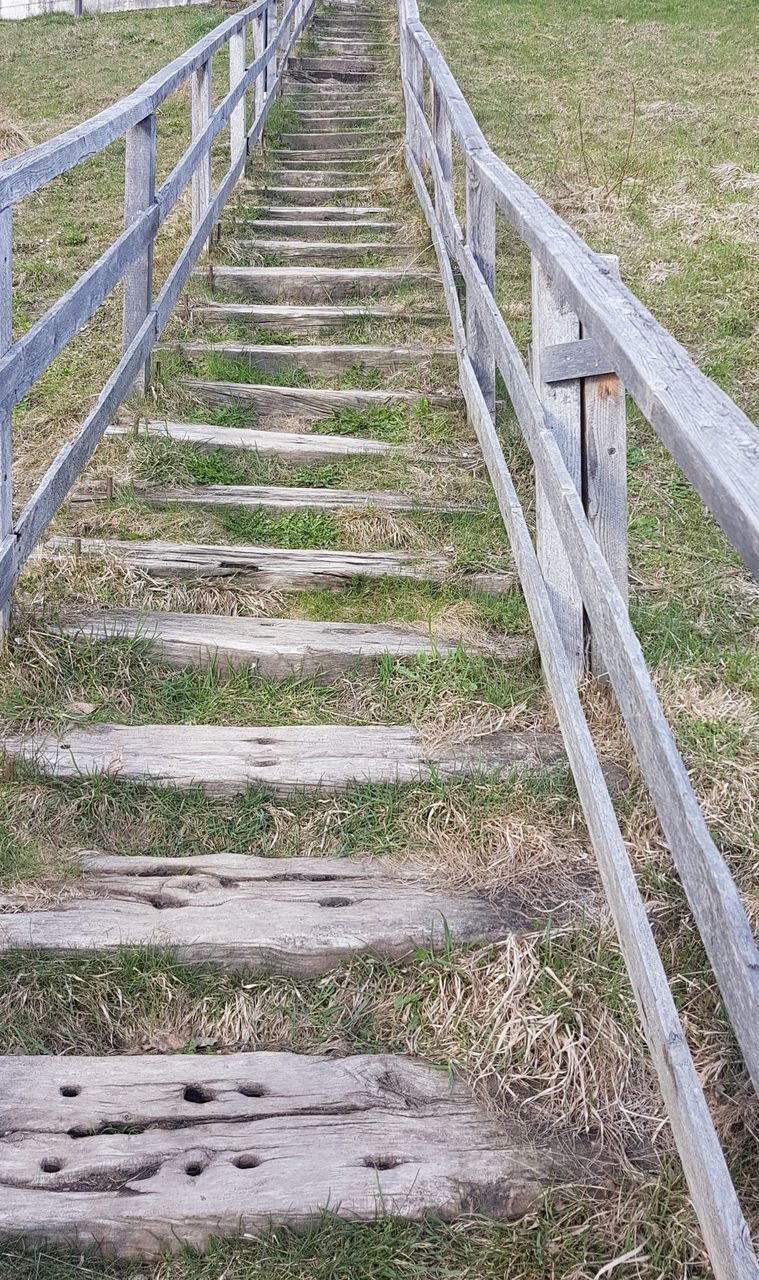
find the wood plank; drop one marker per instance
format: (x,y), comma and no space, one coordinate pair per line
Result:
(276,567)
(322,230)
(224,760)
(309,284)
(293,446)
(272,647)
(713,1194)
(300,916)
(326,254)
(275,498)
(277,1139)
(341,139)
(305,320)
(317,196)
(566,361)
(321,359)
(278,405)
(324,213)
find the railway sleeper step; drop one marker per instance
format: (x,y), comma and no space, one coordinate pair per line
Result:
(312,284)
(282,405)
(276,498)
(303,321)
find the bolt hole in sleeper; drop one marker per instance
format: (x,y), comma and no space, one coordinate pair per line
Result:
(198,1093)
(246,1161)
(70,1090)
(51,1164)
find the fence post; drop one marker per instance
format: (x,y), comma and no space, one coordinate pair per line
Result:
(201,114)
(237,121)
(604,473)
(6,418)
(139,194)
(480,234)
(260,82)
(553,323)
(271,31)
(441,132)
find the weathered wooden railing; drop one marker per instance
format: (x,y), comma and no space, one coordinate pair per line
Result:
(130,257)
(591,338)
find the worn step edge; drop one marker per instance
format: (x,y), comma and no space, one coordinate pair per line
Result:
(301,284)
(275,568)
(333,253)
(318,358)
(280,405)
(276,498)
(300,916)
(300,320)
(225,760)
(279,1138)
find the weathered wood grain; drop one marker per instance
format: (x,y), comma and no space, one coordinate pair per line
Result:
(316,230)
(317,196)
(278,405)
(226,760)
(139,194)
(278,498)
(278,568)
(322,359)
(238,126)
(201,114)
(325,254)
(301,321)
(312,284)
(6,427)
(326,212)
(299,916)
(567,361)
(175,1149)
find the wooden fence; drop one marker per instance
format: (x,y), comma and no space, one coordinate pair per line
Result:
(591,339)
(256,68)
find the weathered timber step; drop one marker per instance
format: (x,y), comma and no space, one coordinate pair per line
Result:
(317,118)
(342,166)
(322,230)
(155,1152)
(298,70)
(298,176)
(276,567)
(339,139)
(272,647)
(293,446)
(319,359)
(291,915)
(326,254)
(324,213)
(316,196)
(225,760)
(309,284)
(328,155)
(278,405)
(277,498)
(302,321)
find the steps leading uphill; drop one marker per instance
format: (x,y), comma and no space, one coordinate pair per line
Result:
(298,538)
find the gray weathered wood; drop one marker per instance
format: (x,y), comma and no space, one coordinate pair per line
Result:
(272,647)
(567,361)
(317,196)
(259,44)
(553,322)
(299,916)
(309,284)
(226,760)
(139,194)
(277,568)
(320,359)
(279,498)
(238,126)
(346,140)
(441,132)
(6,429)
(325,254)
(713,1194)
(175,1149)
(316,230)
(324,213)
(278,405)
(480,231)
(201,112)
(302,321)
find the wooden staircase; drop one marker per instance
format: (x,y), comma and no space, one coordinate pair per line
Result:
(139,1153)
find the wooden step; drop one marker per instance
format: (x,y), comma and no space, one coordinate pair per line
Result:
(272,647)
(302,321)
(316,230)
(156,1152)
(311,284)
(280,499)
(324,213)
(321,360)
(298,177)
(331,155)
(296,447)
(300,916)
(278,405)
(328,254)
(318,196)
(275,567)
(318,118)
(338,140)
(314,160)
(226,760)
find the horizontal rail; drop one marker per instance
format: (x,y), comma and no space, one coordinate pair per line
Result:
(588,288)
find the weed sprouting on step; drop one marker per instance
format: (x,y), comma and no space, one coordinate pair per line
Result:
(292,529)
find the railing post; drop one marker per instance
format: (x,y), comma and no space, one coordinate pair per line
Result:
(237,121)
(271,31)
(554,323)
(259,43)
(604,474)
(201,114)
(441,132)
(139,194)
(415,77)
(480,234)
(6,418)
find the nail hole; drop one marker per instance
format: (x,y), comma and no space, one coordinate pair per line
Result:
(197,1093)
(193,1170)
(381,1162)
(246,1162)
(252,1090)
(51,1164)
(70,1090)
(335,902)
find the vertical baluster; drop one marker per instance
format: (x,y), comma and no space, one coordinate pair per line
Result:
(480,234)
(6,442)
(139,194)
(201,114)
(415,73)
(259,42)
(441,131)
(271,15)
(238,120)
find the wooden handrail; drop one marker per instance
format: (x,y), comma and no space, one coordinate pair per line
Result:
(588,287)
